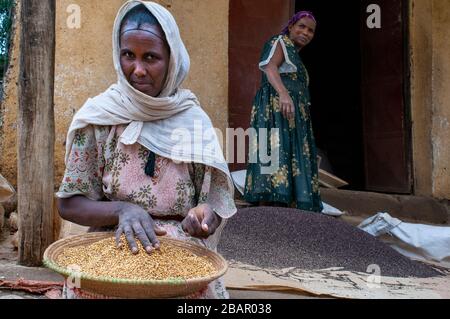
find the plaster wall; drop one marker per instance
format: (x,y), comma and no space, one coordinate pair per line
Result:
(84,69)
(430,97)
(441,99)
(421,47)
(84,66)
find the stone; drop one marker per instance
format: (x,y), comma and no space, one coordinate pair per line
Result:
(15,240)
(2,218)
(13,221)
(6,189)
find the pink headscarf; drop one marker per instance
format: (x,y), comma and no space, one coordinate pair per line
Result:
(296,17)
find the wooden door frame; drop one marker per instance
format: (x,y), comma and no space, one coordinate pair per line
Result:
(232,116)
(407,54)
(406,99)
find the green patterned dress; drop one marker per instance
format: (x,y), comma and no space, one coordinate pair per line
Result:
(294,179)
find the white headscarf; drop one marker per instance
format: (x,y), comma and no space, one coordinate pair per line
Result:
(154,122)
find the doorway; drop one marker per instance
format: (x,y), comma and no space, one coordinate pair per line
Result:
(359,86)
(333,61)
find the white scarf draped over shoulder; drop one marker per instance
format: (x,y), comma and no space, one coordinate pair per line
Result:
(172,125)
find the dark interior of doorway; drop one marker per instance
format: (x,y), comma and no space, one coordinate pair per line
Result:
(334,65)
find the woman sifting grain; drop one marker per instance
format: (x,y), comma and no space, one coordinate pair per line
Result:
(124,167)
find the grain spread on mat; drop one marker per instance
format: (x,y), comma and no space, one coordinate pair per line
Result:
(281,238)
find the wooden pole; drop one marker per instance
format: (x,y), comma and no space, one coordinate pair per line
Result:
(36,130)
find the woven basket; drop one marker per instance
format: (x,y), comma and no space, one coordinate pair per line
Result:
(130,288)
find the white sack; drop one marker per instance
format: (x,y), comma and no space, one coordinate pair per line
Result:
(417,241)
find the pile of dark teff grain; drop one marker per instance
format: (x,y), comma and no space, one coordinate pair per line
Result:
(272,237)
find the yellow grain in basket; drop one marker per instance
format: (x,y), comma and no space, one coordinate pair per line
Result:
(104,259)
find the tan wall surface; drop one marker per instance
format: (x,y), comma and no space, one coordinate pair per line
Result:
(83,63)
(430,47)
(84,66)
(441,99)
(9,106)
(421,43)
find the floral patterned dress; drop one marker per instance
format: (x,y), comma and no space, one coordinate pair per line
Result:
(295,180)
(101,168)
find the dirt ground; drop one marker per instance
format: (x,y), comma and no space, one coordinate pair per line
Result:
(9,270)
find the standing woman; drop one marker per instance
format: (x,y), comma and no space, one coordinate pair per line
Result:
(283,102)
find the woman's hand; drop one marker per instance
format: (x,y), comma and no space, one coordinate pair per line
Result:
(273,75)
(287,106)
(134,221)
(201,221)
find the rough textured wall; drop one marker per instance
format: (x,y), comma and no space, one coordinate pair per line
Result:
(84,65)
(430,45)
(441,99)
(9,105)
(421,46)
(204,29)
